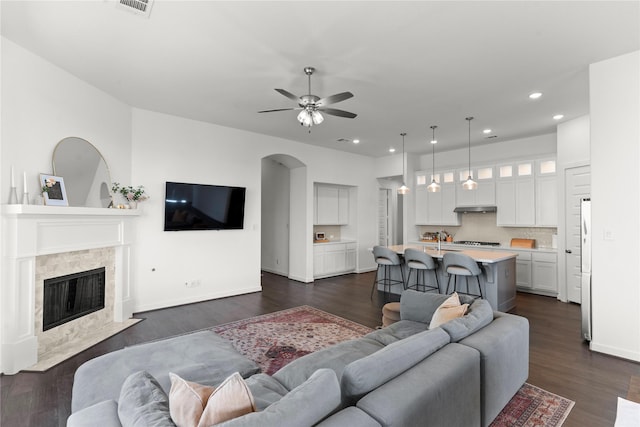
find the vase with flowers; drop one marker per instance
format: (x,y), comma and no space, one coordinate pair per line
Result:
(132,195)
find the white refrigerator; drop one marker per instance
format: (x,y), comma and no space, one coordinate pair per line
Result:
(585,266)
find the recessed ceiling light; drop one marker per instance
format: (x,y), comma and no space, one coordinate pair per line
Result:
(434,141)
(356,141)
(535,95)
(392,150)
(486,131)
(558,116)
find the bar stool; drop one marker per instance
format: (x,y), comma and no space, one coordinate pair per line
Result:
(386,260)
(461,265)
(421,262)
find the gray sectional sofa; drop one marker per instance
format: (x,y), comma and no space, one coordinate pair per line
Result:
(459,374)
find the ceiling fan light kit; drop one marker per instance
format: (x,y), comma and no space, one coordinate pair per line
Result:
(469,184)
(311,106)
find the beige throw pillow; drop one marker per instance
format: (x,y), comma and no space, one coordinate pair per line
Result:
(195,405)
(450,309)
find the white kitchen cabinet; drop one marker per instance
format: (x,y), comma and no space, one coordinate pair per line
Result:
(523,271)
(331,259)
(546,193)
(484,195)
(544,273)
(436,208)
(515,195)
(331,205)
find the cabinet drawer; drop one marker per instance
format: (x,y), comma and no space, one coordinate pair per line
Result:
(544,257)
(523,256)
(336,247)
(351,246)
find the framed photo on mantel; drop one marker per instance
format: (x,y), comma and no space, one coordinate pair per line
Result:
(53,190)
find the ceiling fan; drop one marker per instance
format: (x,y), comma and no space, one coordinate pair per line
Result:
(311,105)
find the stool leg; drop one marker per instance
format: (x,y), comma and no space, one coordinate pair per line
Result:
(479,287)
(407,284)
(435,274)
(375,282)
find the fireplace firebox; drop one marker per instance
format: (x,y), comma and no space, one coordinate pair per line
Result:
(72,296)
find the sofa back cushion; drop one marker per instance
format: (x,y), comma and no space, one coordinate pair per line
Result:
(370,372)
(419,306)
(479,315)
(306,405)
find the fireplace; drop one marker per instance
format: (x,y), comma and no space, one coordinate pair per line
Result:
(72,296)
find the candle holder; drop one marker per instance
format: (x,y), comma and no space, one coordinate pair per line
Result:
(25,198)
(13,196)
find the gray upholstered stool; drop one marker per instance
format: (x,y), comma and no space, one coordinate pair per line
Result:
(386,260)
(422,263)
(455,265)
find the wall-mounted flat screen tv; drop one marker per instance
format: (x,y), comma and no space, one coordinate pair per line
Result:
(203,207)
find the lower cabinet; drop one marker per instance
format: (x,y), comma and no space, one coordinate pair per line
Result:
(537,272)
(331,259)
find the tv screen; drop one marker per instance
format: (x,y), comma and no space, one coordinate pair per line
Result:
(203,207)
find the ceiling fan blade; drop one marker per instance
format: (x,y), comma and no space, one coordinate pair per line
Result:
(288,95)
(338,97)
(279,109)
(339,113)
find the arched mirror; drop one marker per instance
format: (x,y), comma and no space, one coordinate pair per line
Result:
(85,172)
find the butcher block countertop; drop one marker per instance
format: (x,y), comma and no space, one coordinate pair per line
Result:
(485,257)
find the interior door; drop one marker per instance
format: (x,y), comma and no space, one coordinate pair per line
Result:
(577,185)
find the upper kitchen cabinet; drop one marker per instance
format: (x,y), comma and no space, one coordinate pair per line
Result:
(515,194)
(436,208)
(546,193)
(484,195)
(331,205)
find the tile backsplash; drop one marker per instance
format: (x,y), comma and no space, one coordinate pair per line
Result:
(482,227)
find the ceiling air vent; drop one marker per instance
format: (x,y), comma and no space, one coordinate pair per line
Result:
(140,7)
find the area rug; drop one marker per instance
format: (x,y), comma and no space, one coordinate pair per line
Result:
(275,339)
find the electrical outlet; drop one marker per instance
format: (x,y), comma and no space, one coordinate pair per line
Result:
(192,283)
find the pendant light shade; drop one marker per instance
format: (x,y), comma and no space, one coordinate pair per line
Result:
(469,184)
(434,187)
(403,188)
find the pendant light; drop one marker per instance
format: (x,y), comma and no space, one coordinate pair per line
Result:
(469,184)
(403,188)
(434,187)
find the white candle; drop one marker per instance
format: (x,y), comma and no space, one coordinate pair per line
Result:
(24,177)
(13,179)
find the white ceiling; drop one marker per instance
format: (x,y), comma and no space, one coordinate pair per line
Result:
(409,64)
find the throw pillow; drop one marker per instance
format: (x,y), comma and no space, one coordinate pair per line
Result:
(196,405)
(142,402)
(450,309)
(229,400)
(187,400)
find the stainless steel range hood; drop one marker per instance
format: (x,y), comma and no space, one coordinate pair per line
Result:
(475,209)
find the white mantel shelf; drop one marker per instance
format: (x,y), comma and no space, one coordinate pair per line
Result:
(65,210)
(29,231)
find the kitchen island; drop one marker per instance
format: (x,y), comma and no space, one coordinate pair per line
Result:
(498,280)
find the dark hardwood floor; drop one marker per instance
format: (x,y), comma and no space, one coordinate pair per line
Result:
(560,361)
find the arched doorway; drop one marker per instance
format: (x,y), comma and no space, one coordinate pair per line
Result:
(283,233)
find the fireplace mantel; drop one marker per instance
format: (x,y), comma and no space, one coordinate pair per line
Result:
(29,231)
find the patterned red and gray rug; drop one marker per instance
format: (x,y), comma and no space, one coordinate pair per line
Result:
(275,339)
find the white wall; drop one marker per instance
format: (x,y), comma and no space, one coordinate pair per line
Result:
(615,203)
(228,262)
(43,104)
(573,151)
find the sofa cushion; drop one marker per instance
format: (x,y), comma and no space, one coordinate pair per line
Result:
(334,357)
(305,405)
(420,306)
(396,331)
(365,374)
(265,390)
(105,411)
(450,309)
(202,357)
(142,402)
(479,315)
(352,417)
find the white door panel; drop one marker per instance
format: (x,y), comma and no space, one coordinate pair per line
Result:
(577,185)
